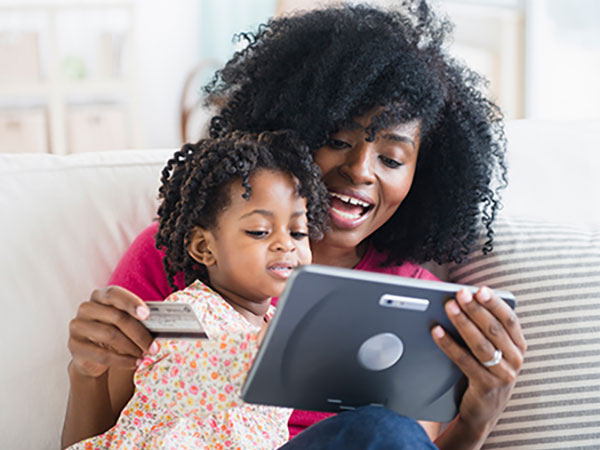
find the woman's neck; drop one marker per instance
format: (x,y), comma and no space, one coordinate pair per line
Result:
(329,255)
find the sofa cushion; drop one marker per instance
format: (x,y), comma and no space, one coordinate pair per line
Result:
(66,220)
(554,271)
(553,168)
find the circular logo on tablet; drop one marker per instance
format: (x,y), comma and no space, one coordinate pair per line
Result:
(380,352)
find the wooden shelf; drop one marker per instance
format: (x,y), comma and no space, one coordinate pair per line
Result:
(55,91)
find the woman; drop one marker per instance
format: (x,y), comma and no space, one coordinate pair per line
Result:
(410,150)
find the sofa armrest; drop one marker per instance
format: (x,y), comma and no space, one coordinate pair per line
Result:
(66,220)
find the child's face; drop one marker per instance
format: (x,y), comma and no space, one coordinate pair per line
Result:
(257,242)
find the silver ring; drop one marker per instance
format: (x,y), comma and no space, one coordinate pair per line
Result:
(495,360)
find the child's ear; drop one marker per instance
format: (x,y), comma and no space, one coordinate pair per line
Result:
(199,248)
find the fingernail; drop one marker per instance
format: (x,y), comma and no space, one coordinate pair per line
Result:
(464,296)
(453,308)
(485,294)
(142,312)
(153,350)
(438,332)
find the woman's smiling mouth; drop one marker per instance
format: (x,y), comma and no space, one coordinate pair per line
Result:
(348,211)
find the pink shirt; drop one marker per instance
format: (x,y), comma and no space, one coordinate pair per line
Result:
(142,272)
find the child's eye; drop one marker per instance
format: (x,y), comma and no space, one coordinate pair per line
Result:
(299,235)
(337,144)
(257,234)
(389,162)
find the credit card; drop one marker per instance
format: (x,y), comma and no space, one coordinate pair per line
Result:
(173,320)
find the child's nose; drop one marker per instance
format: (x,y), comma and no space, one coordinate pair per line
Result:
(283,243)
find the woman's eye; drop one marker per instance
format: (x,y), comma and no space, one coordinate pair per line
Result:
(389,162)
(299,235)
(258,234)
(337,144)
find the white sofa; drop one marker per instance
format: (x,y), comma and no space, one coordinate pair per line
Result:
(67,219)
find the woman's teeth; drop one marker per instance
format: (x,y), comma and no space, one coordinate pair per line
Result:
(348,208)
(348,199)
(346,215)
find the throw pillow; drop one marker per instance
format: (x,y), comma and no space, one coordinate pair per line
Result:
(554,272)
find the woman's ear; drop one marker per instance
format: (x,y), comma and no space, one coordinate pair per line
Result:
(199,248)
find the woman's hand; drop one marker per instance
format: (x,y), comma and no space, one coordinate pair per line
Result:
(107,332)
(486,324)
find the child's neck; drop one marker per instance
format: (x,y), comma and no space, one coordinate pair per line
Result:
(255,314)
(253,311)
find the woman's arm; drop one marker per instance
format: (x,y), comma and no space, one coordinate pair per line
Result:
(486,323)
(88,408)
(96,400)
(106,339)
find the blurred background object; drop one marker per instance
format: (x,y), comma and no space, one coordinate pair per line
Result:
(132,71)
(69,76)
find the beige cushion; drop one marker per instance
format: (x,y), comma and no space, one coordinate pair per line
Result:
(554,271)
(553,168)
(66,220)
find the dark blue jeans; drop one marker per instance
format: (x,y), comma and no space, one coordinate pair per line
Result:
(366,428)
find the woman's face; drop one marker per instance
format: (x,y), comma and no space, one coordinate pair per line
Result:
(367,181)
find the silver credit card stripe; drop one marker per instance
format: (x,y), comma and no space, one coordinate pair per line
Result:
(172,317)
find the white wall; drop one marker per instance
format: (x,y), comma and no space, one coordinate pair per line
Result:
(175,35)
(563,76)
(558,79)
(172,37)
(167,48)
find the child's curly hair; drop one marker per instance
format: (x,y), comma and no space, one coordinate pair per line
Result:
(315,71)
(195,183)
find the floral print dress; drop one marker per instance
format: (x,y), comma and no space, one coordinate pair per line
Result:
(188,395)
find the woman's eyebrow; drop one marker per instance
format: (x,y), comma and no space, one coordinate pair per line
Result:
(399,138)
(352,125)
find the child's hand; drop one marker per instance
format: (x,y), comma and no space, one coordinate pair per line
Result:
(107,332)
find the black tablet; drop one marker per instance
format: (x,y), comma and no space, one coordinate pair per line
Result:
(345,338)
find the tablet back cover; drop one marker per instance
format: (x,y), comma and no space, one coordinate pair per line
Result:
(337,342)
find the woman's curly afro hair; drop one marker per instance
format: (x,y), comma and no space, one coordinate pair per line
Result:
(195,189)
(315,71)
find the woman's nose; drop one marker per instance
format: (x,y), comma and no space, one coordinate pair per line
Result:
(358,165)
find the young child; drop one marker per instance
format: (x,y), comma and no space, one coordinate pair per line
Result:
(235,218)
